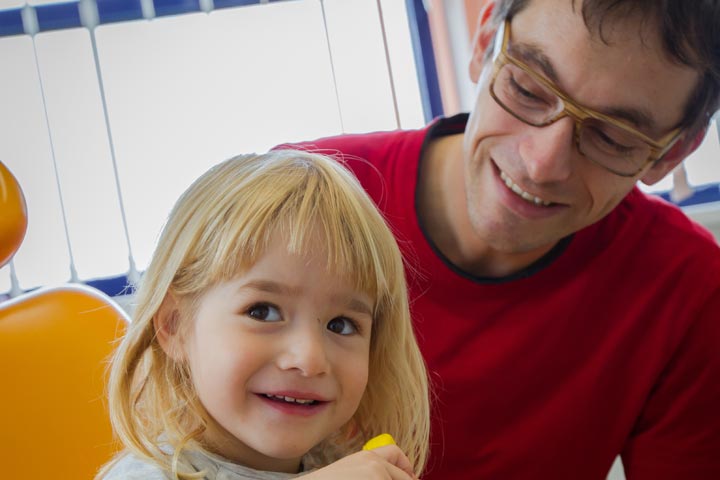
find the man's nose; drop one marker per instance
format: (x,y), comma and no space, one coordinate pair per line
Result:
(304,350)
(547,152)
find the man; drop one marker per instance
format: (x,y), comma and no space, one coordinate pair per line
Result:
(565,316)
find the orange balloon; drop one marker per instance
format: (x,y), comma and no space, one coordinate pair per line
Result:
(54,348)
(13,220)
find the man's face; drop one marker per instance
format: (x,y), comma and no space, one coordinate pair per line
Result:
(528,187)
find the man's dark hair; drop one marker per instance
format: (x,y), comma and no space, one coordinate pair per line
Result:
(690,32)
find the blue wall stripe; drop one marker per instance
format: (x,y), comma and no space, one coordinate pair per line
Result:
(57,16)
(175,7)
(11,22)
(424,59)
(707,193)
(111,11)
(234,3)
(112,286)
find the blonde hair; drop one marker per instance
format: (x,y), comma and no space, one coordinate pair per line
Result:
(219,228)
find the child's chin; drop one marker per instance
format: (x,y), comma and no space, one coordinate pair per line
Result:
(287,452)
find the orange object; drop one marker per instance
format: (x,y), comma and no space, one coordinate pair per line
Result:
(13,219)
(54,347)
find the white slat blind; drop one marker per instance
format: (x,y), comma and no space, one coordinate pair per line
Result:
(183,93)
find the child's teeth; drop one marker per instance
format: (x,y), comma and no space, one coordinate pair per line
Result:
(301,401)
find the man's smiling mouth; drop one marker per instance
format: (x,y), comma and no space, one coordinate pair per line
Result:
(522,193)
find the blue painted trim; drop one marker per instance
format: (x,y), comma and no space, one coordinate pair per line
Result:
(218,4)
(58,16)
(175,7)
(113,11)
(11,22)
(112,286)
(703,194)
(424,59)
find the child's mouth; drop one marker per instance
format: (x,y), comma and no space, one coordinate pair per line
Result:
(290,400)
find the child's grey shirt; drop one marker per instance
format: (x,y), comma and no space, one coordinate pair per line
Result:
(131,467)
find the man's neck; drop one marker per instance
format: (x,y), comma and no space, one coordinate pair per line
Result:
(443,212)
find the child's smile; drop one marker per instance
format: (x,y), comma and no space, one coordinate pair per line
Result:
(304,404)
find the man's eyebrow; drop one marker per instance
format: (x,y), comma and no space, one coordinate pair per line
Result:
(639,118)
(533,56)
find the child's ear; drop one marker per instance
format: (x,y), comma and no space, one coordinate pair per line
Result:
(671,159)
(167,328)
(484,34)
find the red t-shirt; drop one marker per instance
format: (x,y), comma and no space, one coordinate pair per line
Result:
(608,345)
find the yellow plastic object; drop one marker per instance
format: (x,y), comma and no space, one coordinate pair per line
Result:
(379,441)
(13,215)
(54,346)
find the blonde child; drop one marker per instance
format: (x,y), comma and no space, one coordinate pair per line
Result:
(271,335)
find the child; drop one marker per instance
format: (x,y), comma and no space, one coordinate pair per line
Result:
(271,334)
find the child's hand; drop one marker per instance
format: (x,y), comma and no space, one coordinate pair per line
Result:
(382,463)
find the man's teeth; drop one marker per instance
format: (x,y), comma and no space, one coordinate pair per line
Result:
(299,401)
(522,193)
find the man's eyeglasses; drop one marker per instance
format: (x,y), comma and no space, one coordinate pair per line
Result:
(536,101)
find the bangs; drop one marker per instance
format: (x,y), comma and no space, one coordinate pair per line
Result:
(310,200)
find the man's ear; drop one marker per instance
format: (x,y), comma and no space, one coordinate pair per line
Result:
(482,40)
(167,328)
(672,158)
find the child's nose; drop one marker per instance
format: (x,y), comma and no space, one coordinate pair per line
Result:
(304,351)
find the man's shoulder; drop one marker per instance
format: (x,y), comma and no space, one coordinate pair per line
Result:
(655,236)
(358,144)
(664,220)
(376,158)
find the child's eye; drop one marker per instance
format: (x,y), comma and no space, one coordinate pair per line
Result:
(264,312)
(342,326)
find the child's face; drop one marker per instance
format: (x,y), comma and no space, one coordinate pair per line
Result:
(279,358)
